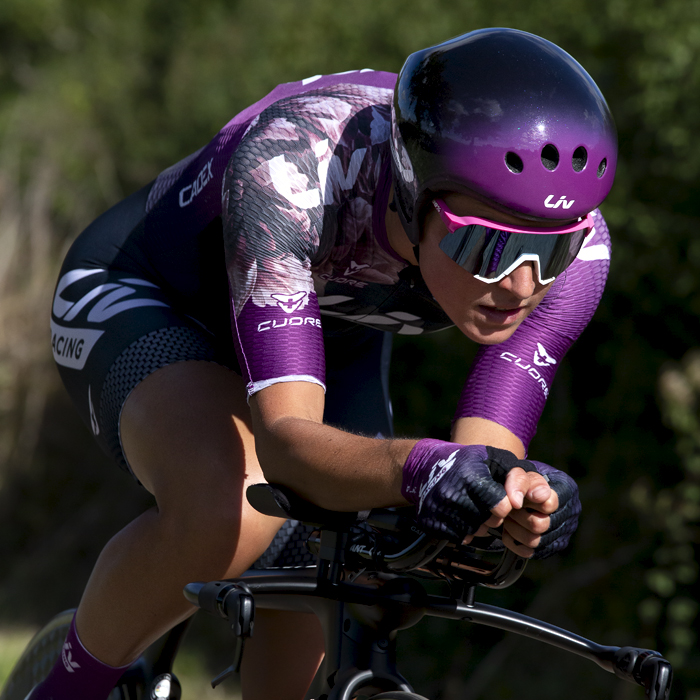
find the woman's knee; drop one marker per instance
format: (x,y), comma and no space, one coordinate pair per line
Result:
(219,539)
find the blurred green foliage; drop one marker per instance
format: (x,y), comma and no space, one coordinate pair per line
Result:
(97,96)
(672,607)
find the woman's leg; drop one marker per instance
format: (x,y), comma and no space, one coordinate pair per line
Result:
(186,434)
(281,658)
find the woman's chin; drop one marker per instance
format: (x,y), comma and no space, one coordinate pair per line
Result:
(487,335)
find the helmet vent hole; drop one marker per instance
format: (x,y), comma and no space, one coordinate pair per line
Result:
(580,159)
(514,162)
(602,167)
(550,157)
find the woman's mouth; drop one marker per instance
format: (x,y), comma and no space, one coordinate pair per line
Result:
(501,315)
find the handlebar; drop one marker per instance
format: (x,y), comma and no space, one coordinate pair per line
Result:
(369,548)
(293,591)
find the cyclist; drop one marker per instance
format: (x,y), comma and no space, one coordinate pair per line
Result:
(231,322)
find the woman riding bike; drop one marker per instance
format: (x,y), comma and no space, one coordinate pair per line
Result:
(231,323)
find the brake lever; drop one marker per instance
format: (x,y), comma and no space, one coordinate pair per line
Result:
(233,601)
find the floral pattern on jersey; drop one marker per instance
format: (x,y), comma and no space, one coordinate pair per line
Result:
(298,196)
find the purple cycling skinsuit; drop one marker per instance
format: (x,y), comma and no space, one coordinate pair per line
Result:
(252,249)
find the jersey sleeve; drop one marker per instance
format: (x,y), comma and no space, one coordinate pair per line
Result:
(509,382)
(303,161)
(273,218)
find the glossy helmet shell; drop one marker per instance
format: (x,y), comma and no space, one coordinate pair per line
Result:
(507,117)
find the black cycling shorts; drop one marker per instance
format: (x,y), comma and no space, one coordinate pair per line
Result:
(117,317)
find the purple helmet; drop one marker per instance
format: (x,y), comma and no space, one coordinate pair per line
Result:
(507,117)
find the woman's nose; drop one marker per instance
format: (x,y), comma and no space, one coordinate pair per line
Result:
(522,282)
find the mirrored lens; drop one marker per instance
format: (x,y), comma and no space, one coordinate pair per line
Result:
(490,254)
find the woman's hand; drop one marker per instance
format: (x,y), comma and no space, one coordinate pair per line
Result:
(543,509)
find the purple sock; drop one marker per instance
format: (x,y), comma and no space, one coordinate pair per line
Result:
(77,675)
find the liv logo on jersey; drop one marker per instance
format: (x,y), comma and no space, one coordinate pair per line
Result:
(290,302)
(72,346)
(542,357)
(67,658)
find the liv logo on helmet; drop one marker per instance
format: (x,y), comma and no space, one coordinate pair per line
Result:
(560,202)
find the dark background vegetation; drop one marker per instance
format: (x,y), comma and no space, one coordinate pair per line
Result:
(97,96)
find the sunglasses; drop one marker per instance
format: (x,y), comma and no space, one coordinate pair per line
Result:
(491,251)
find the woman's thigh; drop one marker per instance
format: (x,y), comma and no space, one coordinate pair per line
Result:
(186,433)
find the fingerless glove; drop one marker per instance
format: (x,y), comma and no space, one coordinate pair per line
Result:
(564,521)
(451,486)
(454,487)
